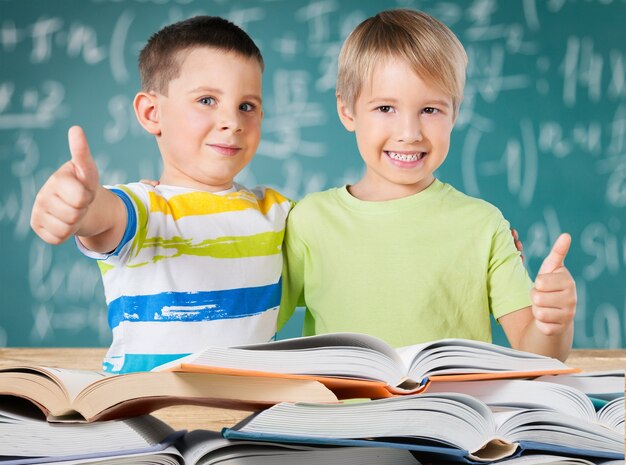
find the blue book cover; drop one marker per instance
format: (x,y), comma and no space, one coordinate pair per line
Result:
(439,452)
(450,426)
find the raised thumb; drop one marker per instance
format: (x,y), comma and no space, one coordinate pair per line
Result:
(84,164)
(556,257)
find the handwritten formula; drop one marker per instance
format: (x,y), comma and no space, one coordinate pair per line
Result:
(541,133)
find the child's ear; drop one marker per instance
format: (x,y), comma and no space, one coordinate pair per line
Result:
(345,114)
(147,111)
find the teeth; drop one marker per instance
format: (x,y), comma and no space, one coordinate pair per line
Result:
(406,157)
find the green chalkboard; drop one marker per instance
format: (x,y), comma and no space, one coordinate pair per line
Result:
(541,134)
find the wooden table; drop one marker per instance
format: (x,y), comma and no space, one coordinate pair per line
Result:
(194,417)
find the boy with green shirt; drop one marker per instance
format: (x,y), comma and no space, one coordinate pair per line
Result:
(400,254)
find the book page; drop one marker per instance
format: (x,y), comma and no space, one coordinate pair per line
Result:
(74,381)
(349,355)
(606,385)
(520,393)
(457,420)
(344,339)
(612,415)
(42,439)
(168,456)
(555,429)
(458,356)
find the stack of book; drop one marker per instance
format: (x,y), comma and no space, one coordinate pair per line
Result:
(339,398)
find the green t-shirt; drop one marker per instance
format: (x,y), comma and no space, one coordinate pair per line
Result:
(429,266)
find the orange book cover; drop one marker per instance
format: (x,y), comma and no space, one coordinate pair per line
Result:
(348,388)
(361,365)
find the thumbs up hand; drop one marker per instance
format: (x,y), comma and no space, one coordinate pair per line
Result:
(554,295)
(84,166)
(63,201)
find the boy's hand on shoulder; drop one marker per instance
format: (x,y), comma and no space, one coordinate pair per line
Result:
(149,182)
(518,243)
(64,199)
(554,295)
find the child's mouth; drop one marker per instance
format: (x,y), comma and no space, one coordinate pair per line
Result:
(226,150)
(406,157)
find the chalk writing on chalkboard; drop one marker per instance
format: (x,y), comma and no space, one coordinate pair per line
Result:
(541,133)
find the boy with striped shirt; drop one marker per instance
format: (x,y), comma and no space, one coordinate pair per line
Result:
(196,260)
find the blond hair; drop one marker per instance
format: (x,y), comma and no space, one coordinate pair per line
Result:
(423,42)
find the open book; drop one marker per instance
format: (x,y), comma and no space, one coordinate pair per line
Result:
(78,395)
(604,385)
(527,394)
(450,426)
(209,448)
(359,365)
(29,439)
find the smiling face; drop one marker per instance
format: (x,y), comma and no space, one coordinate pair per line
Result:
(209,124)
(402,126)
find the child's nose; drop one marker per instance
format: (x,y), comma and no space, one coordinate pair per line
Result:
(230,120)
(409,130)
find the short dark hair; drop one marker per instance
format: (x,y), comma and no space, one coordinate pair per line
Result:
(161,59)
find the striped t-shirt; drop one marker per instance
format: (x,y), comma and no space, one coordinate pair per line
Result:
(194,269)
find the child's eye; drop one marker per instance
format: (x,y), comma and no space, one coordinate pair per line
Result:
(385,109)
(207,101)
(247,107)
(430,110)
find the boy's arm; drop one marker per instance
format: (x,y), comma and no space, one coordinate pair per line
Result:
(293,274)
(547,327)
(72,202)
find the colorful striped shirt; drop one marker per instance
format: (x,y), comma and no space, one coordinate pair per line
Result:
(194,269)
